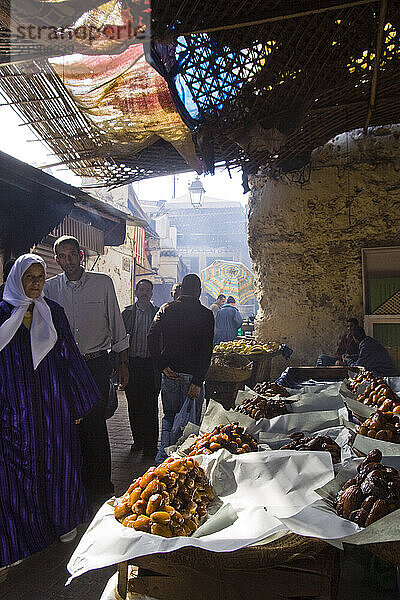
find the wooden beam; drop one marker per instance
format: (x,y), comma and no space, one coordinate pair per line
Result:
(31,101)
(304,13)
(378,52)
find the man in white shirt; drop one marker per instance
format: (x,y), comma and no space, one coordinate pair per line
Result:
(91,306)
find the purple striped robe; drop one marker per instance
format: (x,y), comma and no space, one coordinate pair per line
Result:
(41,490)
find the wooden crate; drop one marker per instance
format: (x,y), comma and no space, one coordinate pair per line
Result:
(256,573)
(389,551)
(261,367)
(223,392)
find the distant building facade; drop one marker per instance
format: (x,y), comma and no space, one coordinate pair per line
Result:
(129,262)
(217,230)
(193,238)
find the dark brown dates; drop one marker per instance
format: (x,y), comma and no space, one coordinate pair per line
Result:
(372,494)
(322,443)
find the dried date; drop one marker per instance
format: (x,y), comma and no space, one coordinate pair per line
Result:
(372,494)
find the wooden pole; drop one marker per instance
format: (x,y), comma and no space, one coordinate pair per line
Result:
(379,44)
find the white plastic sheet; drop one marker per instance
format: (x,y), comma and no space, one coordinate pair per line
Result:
(394,383)
(365,444)
(253,490)
(325,397)
(358,408)
(344,390)
(317,388)
(307,422)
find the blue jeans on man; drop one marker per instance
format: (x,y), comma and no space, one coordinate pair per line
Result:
(173,395)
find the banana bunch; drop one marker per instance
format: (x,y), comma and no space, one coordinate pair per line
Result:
(246,347)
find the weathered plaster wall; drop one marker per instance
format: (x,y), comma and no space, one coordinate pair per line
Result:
(306,241)
(116,262)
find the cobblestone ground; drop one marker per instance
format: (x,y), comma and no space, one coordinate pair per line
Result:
(43,576)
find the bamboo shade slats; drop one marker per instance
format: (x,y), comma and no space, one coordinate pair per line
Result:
(270,82)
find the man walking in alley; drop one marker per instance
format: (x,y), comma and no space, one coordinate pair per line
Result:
(180,342)
(215,307)
(144,381)
(91,306)
(227,322)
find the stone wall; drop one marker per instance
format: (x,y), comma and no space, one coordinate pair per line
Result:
(305,241)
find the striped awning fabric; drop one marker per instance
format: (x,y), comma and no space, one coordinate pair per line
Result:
(138,248)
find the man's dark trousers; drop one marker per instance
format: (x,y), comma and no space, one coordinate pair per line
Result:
(94,437)
(142,396)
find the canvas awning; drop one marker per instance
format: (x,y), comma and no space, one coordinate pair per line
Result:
(33,203)
(246,84)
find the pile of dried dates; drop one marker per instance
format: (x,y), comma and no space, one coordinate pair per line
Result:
(360,378)
(168,500)
(232,437)
(379,394)
(372,494)
(381,426)
(271,389)
(262,408)
(322,443)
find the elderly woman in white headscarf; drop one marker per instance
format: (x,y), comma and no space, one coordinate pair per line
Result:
(45,389)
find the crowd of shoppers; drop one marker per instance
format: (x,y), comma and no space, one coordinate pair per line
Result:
(57,337)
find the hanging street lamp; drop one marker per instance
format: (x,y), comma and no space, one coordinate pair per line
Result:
(196,192)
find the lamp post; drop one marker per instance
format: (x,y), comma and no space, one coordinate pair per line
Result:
(196,192)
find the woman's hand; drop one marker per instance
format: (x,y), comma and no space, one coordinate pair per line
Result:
(77,421)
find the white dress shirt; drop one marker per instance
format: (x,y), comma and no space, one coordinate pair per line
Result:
(92,310)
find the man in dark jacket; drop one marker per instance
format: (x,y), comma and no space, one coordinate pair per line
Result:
(180,342)
(144,380)
(371,355)
(347,345)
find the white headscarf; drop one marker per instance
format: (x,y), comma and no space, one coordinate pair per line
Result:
(43,332)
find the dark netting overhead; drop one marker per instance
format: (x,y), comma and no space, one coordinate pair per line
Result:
(280,89)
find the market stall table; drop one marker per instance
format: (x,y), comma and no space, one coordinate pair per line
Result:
(225,391)
(326,374)
(271,566)
(292,566)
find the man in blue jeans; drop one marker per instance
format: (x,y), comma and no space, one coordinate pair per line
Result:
(180,342)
